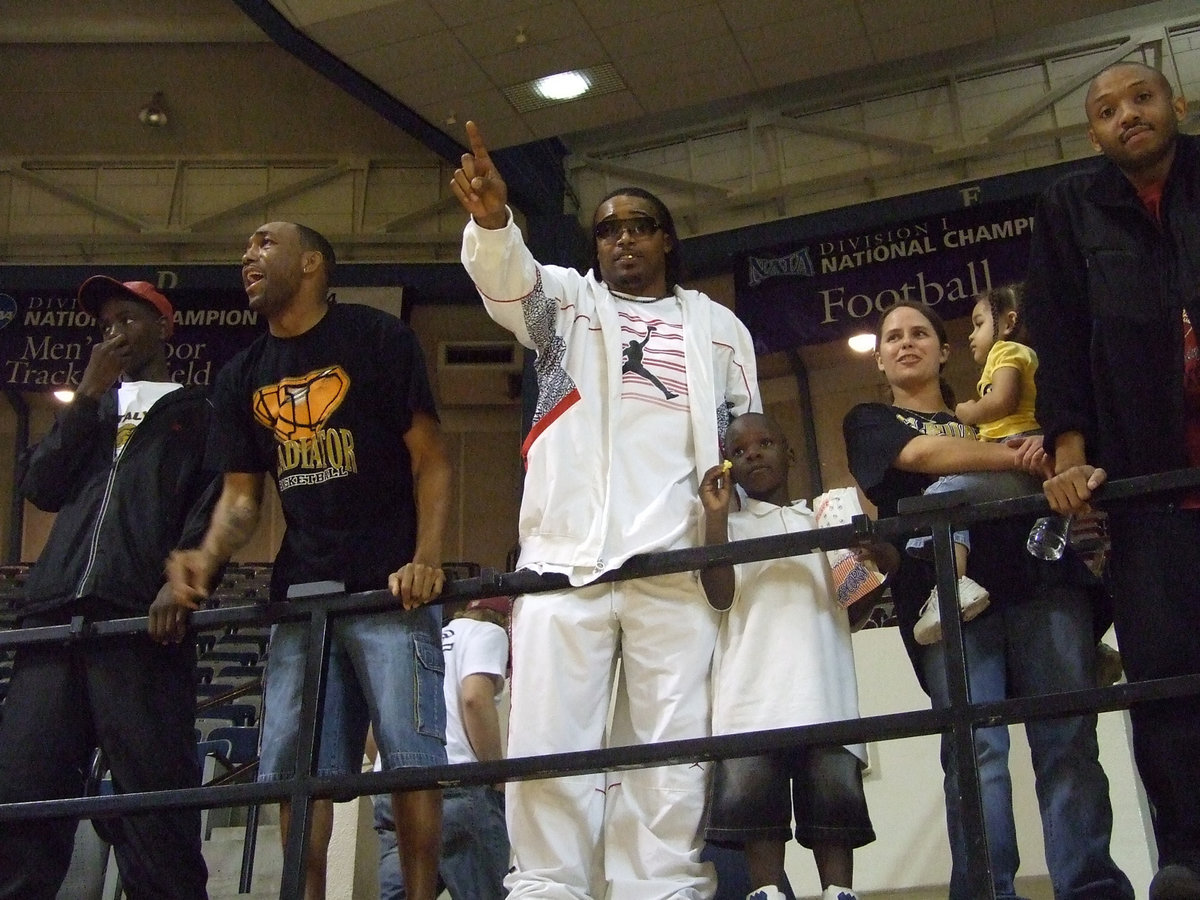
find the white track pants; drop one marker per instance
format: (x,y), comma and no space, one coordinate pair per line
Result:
(634,835)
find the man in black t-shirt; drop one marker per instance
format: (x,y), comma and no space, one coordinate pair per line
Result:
(334,401)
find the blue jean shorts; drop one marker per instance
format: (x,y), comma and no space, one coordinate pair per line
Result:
(385,670)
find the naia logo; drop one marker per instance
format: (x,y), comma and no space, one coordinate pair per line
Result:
(798,262)
(8,309)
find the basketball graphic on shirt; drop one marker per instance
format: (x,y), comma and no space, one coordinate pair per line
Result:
(297,408)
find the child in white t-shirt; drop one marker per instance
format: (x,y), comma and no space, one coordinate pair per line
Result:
(783,659)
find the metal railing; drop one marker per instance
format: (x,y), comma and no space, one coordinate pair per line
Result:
(938,514)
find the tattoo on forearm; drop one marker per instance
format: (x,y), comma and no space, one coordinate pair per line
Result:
(232,526)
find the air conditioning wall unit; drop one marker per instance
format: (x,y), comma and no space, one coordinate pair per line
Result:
(479,373)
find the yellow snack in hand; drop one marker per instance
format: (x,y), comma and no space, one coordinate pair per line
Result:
(726,465)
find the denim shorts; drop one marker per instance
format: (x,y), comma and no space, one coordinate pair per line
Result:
(385,670)
(749,799)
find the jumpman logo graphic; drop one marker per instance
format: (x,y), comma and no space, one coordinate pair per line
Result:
(632,356)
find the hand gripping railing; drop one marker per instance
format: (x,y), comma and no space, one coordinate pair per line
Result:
(937,513)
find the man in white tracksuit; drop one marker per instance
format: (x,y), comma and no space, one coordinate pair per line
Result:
(637,379)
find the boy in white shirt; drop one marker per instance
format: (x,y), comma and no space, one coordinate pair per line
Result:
(780,613)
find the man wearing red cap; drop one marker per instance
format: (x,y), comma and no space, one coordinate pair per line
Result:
(123,469)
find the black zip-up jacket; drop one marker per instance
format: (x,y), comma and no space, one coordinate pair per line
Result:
(117,523)
(1105,294)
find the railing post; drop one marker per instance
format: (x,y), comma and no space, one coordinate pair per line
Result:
(316,666)
(962,733)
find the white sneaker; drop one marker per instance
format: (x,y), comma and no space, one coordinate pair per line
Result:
(767,892)
(833,892)
(972,600)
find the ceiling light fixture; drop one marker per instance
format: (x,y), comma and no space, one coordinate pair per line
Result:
(563,86)
(154,113)
(521,37)
(862,343)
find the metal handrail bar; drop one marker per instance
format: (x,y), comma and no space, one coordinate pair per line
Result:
(889,726)
(935,514)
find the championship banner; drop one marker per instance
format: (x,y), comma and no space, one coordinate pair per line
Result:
(46,339)
(828,288)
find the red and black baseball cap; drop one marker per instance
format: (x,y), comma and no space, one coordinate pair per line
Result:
(98,288)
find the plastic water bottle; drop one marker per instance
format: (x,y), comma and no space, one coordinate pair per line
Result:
(1049,537)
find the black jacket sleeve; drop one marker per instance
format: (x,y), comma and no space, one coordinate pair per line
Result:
(52,471)
(1058,317)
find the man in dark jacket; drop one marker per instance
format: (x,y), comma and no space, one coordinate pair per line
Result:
(1112,296)
(122,468)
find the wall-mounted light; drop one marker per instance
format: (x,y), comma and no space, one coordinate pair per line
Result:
(64,396)
(154,113)
(862,343)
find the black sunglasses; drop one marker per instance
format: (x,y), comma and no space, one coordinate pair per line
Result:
(637,226)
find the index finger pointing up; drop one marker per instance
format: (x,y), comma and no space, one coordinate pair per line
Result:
(475,139)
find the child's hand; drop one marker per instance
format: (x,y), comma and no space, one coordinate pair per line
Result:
(885,557)
(716,488)
(1032,456)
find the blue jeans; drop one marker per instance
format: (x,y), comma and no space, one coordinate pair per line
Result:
(1042,646)
(979,488)
(475,847)
(385,669)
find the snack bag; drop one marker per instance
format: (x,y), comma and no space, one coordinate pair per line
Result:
(853,578)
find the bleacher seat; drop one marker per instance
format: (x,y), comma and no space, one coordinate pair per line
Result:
(213,746)
(240,672)
(234,713)
(243,741)
(241,657)
(240,641)
(206,692)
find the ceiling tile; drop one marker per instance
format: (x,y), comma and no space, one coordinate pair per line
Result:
(822,33)
(544,25)
(306,12)
(439,50)
(931,36)
(743,14)
(605,14)
(1023,16)
(484,107)
(377,27)
(817,61)
(437,85)
(579,114)
(702,86)
(665,30)
(708,58)
(467,13)
(516,66)
(131,21)
(893,15)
